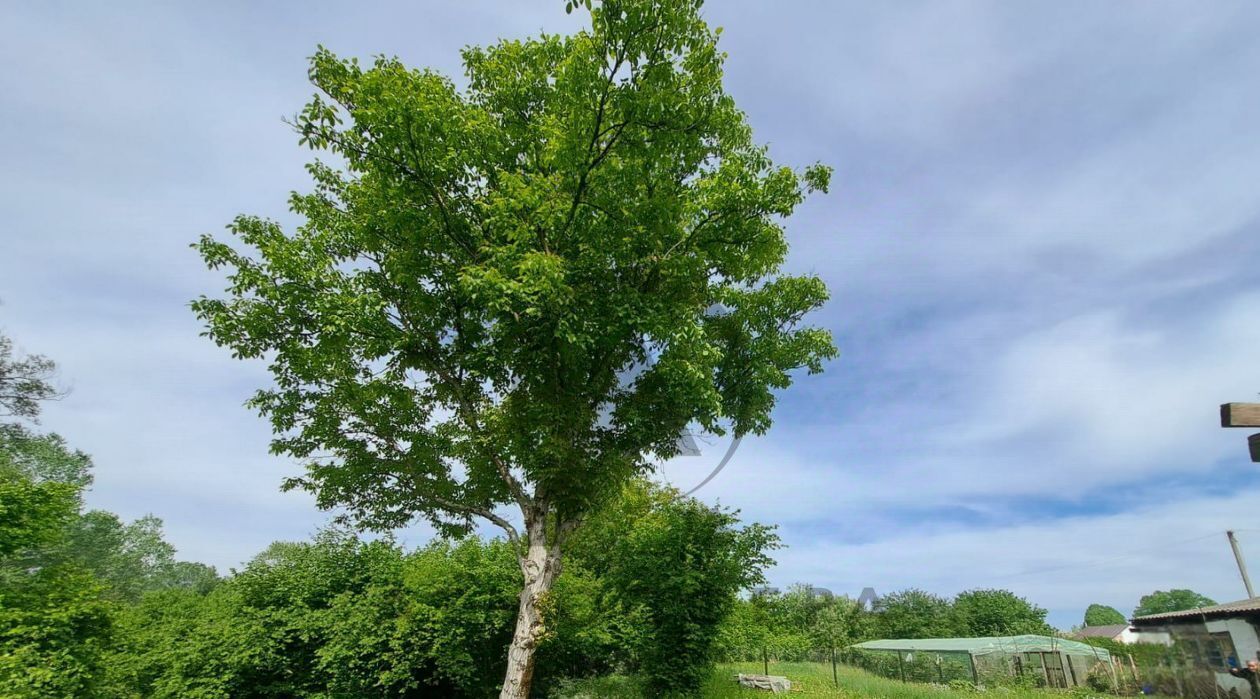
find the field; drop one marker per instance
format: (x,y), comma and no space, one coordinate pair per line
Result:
(808,680)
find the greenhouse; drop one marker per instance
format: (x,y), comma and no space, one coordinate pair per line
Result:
(1043,660)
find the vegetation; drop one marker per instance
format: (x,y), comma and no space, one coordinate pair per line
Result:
(1162,602)
(520,293)
(997,613)
(91,606)
(25,382)
(339,616)
(914,614)
(1102,615)
(63,571)
(801,623)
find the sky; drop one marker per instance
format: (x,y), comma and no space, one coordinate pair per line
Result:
(1042,243)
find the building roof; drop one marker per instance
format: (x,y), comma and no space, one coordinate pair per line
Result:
(1109,631)
(1245,606)
(987,645)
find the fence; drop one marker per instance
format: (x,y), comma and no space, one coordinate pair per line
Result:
(1168,676)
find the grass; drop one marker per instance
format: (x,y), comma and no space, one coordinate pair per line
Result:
(808,680)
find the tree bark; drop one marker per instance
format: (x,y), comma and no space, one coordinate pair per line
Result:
(540,566)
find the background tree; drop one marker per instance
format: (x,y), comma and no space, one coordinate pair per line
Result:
(842,622)
(997,613)
(520,294)
(913,613)
(1102,615)
(1162,602)
(25,382)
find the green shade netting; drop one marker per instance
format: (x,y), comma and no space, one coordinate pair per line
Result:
(989,645)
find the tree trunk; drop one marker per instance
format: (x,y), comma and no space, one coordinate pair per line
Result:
(540,567)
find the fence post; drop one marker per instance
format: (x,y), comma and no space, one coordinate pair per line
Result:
(765,660)
(834,677)
(975,676)
(901,665)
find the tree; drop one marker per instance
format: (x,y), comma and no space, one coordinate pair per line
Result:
(913,613)
(521,293)
(997,613)
(54,620)
(1161,602)
(1102,615)
(840,623)
(24,382)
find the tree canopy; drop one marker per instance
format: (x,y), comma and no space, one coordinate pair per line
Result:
(25,382)
(1178,600)
(477,283)
(1102,615)
(521,292)
(913,613)
(997,613)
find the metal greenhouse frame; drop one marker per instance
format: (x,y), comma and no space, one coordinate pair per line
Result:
(1058,662)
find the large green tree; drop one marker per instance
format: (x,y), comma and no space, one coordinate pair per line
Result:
(1102,615)
(997,613)
(914,613)
(1161,602)
(519,293)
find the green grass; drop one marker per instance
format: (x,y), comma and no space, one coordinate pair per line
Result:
(808,680)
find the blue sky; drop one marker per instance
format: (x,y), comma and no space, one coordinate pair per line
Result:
(1042,241)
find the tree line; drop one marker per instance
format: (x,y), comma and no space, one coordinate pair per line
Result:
(801,623)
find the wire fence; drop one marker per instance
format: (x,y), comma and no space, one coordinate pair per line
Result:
(1118,674)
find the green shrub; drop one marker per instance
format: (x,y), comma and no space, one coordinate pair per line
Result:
(680,565)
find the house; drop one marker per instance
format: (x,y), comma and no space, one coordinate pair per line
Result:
(1121,633)
(1213,638)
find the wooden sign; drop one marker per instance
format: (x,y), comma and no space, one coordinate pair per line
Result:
(1253,442)
(1240,415)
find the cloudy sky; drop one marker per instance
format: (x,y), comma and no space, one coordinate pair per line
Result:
(1043,243)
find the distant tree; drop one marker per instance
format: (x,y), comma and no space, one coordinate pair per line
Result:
(1162,602)
(521,293)
(840,623)
(997,613)
(914,613)
(25,382)
(1102,615)
(45,457)
(130,558)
